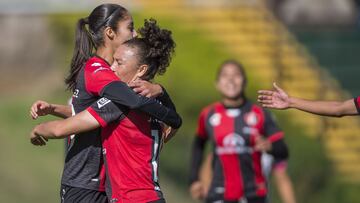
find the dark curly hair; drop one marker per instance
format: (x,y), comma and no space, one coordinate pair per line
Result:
(154,48)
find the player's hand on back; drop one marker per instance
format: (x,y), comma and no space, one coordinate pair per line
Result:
(40,108)
(146,88)
(277,98)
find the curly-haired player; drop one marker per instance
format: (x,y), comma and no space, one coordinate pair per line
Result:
(131,146)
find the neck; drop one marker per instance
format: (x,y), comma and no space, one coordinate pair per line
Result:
(106,53)
(233,102)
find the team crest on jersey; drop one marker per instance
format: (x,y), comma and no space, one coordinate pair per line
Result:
(251,119)
(215,119)
(102,102)
(96,64)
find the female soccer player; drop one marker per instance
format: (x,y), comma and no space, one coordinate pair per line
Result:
(131,146)
(97,38)
(279,99)
(235,126)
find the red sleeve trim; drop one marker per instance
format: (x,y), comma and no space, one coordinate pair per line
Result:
(276,136)
(357,103)
(280,166)
(97,117)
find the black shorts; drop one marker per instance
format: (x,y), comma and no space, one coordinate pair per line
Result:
(70,194)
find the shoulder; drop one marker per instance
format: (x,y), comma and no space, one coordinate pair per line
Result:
(95,65)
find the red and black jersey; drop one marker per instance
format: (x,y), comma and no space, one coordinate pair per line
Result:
(84,162)
(131,149)
(84,166)
(236,165)
(357,103)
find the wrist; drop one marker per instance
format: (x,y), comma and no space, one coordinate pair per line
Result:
(292,102)
(161,90)
(52,108)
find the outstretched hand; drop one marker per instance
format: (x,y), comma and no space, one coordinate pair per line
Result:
(277,98)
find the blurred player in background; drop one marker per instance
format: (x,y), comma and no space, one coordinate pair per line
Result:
(279,99)
(237,130)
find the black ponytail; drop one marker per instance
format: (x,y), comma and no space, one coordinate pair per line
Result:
(89,36)
(82,52)
(155,48)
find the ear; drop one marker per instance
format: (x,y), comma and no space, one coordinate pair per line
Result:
(142,70)
(109,33)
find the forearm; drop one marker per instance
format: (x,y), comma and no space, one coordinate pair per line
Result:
(196,159)
(82,122)
(61,111)
(284,186)
(120,93)
(325,108)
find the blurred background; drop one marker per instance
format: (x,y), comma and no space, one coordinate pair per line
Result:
(310,47)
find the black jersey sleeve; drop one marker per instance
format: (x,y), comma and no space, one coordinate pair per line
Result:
(279,150)
(166,100)
(270,129)
(119,93)
(105,111)
(196,158)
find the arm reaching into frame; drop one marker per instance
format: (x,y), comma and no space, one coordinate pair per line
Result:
(279,99)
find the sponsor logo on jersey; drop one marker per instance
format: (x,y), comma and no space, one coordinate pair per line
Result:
(102,102)
(233,143)
(251,119)
(215,119)
(100,69)
(96,64)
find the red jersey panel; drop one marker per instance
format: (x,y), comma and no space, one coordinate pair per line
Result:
(132,157)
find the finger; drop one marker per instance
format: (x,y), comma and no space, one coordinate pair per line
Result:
(266,92)
(44,138)
(277,87)
(265,97)
(138,89)
(145,92)
(268,106)
(35,141)
(33,115)
(266,101)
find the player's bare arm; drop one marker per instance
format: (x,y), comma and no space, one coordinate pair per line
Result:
(279,99)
